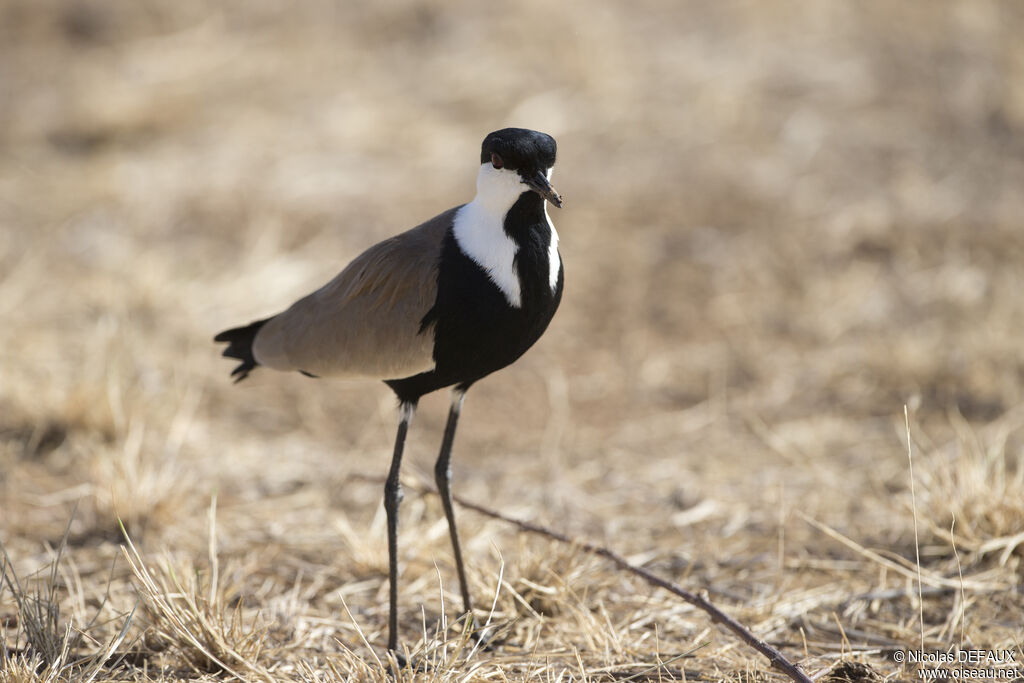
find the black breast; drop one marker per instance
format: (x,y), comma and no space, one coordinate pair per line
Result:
(476,330)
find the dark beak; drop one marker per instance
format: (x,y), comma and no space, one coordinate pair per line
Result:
(538,182)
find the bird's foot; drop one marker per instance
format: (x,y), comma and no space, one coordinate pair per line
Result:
(398,662)
(487,636)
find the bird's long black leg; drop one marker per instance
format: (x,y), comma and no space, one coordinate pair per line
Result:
(443,477)
(392,499)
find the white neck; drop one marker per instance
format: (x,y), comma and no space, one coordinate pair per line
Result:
(480,229)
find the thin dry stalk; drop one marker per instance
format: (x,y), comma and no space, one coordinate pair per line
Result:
(917,542)
(960,573)
(928,578)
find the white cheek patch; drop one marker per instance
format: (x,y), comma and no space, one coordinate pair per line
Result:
(498,188)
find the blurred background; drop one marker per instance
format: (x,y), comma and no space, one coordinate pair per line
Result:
(783,222)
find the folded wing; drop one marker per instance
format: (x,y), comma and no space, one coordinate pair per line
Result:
(367,321)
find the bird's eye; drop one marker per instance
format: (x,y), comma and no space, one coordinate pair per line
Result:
(496,161)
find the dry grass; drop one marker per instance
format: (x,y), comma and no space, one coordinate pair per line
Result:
(45,645)
(783,222)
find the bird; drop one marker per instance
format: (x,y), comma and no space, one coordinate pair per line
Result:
(442,305)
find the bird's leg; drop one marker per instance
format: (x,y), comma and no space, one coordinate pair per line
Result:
(392,499)
(443,477)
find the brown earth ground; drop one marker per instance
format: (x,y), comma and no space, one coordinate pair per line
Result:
(783,223)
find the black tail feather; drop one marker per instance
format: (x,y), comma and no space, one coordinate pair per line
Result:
(240,341)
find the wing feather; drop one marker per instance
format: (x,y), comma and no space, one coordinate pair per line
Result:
(367,320)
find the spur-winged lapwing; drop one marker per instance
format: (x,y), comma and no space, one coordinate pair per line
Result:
(442,305)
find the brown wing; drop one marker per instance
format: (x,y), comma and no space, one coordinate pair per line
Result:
(366,321)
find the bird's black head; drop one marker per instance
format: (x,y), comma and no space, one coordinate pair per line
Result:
(519,149)
(527,152)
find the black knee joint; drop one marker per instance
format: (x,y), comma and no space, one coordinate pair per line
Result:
(393,492)
(442,473)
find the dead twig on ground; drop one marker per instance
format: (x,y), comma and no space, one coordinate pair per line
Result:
(777,659)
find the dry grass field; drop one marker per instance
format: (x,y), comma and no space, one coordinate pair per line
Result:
(783,223)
